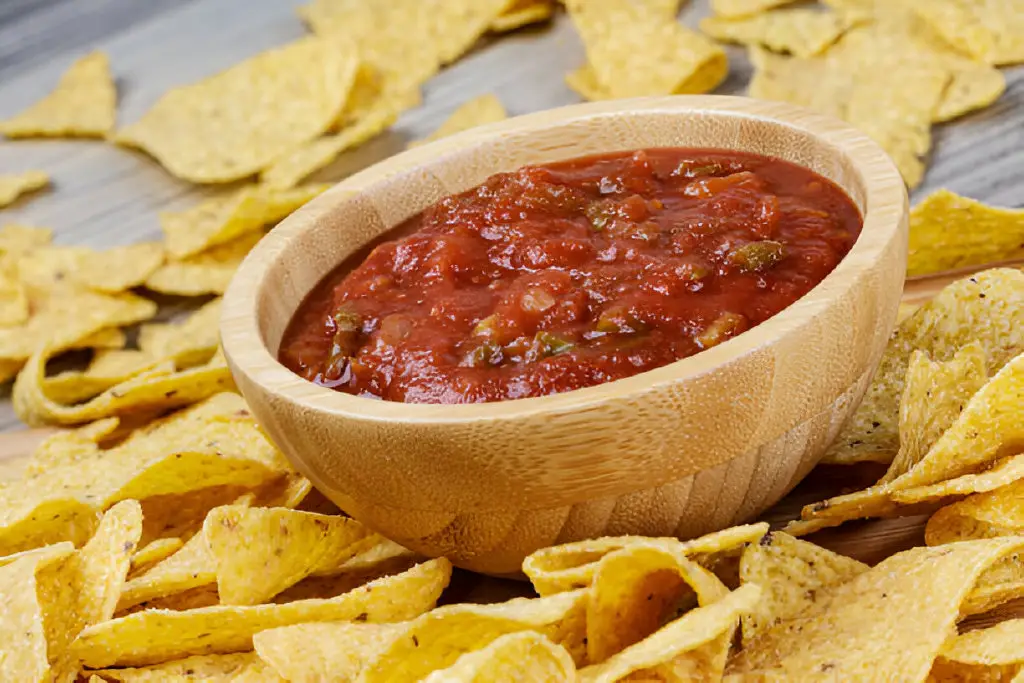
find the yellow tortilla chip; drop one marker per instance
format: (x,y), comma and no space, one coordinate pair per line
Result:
(991,654)
(948,231)
(190,342)
(572,565)
(32,633)
(16,240)
(231,125)
(205,668)
(801,32)
(208,272)
(13,301)
(64,547)
(523,13)
(190,567)
(637,589)
(1002,473)
(159,635)
(681,644)
(408,41)
(104,561)
(987,308)
(301,162)
(476,112)
(308,653)
(933,397)
(985,515)
(47,268)
(157,388)
(523,656)
(108,367)
(437,639)
(64,317)
(13,186)
(1001,583)
(633,51)
(991,31)
(181,515)
(155,551)
(745,8)
(119,269)
(868,614)
(792,573)
(107,338)
(287,545)
(221,220)
(84,104)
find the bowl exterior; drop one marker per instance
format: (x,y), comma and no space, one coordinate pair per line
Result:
(706,442)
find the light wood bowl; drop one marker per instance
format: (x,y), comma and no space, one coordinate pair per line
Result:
(703,443)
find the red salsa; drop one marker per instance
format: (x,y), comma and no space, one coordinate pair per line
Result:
(572,274)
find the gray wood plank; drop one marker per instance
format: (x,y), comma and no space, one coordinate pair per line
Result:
(104,195)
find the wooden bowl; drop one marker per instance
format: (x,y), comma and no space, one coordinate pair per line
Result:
(703,443)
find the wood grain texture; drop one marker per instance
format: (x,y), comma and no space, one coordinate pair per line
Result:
(683,449)
(105,196)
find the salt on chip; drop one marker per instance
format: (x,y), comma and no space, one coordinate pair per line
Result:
(523,656)
(206,668)
(287,545)
(159,387)
(791,573)
(189,342)
(222,219)
(984,515)
(84,104)
(632,51)
(745,8)
(801,32)
(987,308)
(104,561)
(523,13)
(154,636)
(990,654)
(209,272)
(14,307)
(677,641)
(572,565)
(636,588)
(476,112)
(13,186)
(435,640)
(933,397)
(120,268)
(991,31)
(233,124)
(948,231)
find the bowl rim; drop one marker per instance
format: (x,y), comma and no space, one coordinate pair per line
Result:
(885,198)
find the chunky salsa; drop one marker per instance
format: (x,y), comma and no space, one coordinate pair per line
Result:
(571,274)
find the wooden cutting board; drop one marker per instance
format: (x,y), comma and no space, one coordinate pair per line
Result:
(869,541)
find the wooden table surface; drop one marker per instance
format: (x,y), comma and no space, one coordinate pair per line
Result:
(104,195)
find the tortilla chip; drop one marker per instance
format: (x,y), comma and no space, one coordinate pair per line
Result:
(190,567)
(104,561)
(948,231)
(14,308)
(680,643)
(108,367)
(32,633)
(985,515)
(208,272)
(792,574)
(633,52)
(867,614)
(991,654)
(408,41)
(121,268)
(934,395)
(181,515)
(287,546)
(987,308)
(476,112)
(205,668)
(16,240)
(190,342)
(572,565)
(523,13)
(745,8)
(232,125)
(107,338)
(523,656)
(801,32)
(13,186)
(1001,583)
(66,316)
(155,636)
(991,31)
(437,639)
(301,162)
(222,219)
(155,551)
(160,387)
